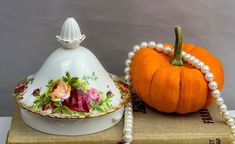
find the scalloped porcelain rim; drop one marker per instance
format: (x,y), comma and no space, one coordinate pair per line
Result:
(83,36)
(124,102)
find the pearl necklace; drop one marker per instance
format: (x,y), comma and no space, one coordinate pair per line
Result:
(205,69)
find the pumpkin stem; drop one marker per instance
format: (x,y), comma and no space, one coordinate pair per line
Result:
(176,60)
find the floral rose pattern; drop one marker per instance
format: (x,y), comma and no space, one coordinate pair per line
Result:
(21,88)
(123,87)
(60,91)
(72,95)
(93,94)
(78,101)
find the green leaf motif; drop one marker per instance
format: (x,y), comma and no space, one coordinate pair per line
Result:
(39,105)
(99,109)
(68,75)
(84,87)
(30,80)
(92,77)
(66,110)
(47,99)
(103,104)
(81,114)
(102,97)
(57,103)
(21,94)
(93,108)
(50,83)
(92,102)
(74,80)
(36,102)
(65,79)
(57,110)
(43,98)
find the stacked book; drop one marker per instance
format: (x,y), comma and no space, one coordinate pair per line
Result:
(150,127)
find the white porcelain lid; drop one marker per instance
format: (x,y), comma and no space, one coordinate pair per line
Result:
(72,83)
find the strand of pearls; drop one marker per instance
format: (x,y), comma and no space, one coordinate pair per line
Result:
(205,69)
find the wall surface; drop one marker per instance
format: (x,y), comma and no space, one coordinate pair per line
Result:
(28,29)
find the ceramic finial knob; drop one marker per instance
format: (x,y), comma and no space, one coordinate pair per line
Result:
(70,36)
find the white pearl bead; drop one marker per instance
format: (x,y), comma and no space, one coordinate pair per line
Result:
(199,65)
(128,112)
(209,76)
(127,77)
(205,69)
(130,121)
(213,85)
(128,138)
(136,48)
(128,83)
(128,117)
(186,57)
(152,44)
(223,108)
(183,53)
(219,101)
(129,104)
(190,60)
(128,125)
(230,122)
(226,115)
(127,70)
(127,108)
(232,129)
(159,47)
(128,62)
(143,45)
(195,62)
(127,130)
(167,50)
(216,93)
(130,55)
(129,133)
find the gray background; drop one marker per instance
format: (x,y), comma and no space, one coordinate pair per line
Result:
(28,29)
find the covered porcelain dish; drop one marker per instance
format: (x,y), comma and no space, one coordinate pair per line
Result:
(71,94)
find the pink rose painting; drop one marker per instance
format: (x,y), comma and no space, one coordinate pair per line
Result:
(93,94)
(70,95)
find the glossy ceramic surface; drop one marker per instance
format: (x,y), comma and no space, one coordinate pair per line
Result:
(71,126)
(72,83)
(80,102)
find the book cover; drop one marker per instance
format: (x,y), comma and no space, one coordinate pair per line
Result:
(150,127)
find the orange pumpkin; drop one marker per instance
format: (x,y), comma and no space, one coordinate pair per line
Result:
(169,84)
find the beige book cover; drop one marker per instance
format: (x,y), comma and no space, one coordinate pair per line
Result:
(150,127)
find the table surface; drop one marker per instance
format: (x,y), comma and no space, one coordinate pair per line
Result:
(5,123)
